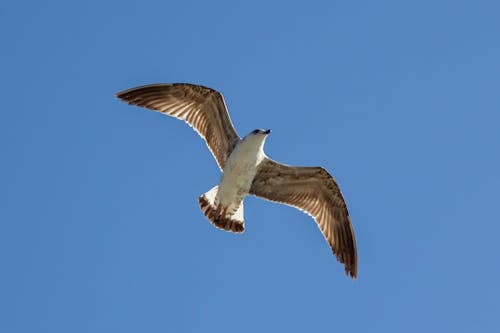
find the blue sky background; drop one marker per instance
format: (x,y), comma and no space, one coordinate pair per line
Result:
(100,229)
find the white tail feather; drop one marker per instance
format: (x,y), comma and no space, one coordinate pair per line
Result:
(210,195)
(219,215)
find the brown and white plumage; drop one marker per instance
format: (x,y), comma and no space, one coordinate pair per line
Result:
(247,170)
(314,191)
(202,108)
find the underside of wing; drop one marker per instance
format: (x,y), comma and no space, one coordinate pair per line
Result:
(314,191)
(201,107)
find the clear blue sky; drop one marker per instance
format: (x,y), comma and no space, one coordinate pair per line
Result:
(100,229)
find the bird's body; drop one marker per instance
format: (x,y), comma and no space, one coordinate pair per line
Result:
(247,170)
(239,171)
(238,174)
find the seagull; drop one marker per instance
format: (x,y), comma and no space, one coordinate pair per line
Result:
(246,169)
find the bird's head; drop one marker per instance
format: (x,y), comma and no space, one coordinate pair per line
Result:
(260,132)
(257,137)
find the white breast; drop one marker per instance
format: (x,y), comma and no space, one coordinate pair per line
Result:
(239,171)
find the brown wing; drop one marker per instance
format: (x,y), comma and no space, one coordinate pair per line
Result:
(313,190)
(201,107)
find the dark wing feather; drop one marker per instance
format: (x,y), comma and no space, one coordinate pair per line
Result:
(201,107)
(313,190)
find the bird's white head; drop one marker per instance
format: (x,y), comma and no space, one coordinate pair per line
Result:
(257,136)
(255,139)
(260,132)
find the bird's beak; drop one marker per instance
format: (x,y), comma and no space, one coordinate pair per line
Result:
(267,132)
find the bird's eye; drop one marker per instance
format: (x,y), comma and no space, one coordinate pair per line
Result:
(255,131)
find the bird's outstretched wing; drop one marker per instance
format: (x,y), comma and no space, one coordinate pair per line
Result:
(201,107)
(314,191)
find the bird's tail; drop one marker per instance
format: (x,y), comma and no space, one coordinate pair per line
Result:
(218,215)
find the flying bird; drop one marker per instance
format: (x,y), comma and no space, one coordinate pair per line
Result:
(246,169)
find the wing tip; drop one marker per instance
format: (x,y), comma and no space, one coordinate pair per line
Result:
(351,271)
(350,261)
(124,95)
